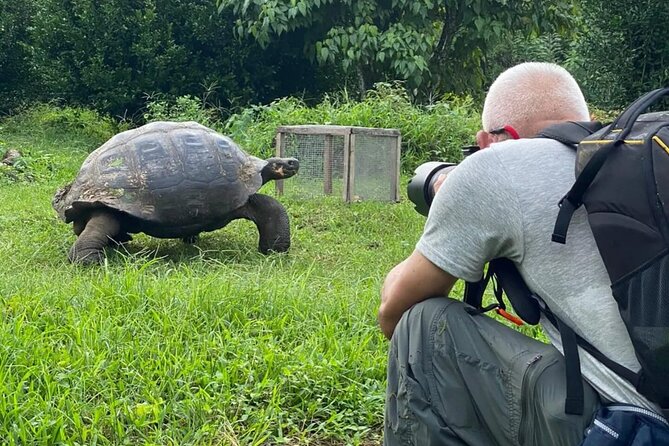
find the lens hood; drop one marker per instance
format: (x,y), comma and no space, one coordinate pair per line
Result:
(420,185)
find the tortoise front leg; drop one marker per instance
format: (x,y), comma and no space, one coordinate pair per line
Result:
(100,228)
(191,239)
(272,222)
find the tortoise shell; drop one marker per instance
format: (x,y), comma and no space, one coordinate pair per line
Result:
(179,176)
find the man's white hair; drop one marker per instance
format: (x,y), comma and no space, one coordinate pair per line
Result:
(531,95)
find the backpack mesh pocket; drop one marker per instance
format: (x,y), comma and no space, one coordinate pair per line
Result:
(643,300)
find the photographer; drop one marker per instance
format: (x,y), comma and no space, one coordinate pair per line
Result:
(460,379)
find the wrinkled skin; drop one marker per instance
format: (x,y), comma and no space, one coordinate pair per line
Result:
(110,228)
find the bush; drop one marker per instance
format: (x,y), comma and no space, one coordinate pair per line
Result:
(55,121)
(109,55)
(434,132)
(621,55)
(29,166)
(603,116)
(16,52)
(183,108)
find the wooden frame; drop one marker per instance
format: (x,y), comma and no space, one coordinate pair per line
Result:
(327,165)
(279,153)
(347,168)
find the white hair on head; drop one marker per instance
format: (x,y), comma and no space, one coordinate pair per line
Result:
(528,95)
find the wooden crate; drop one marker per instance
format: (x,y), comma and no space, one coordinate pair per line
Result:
(358,163)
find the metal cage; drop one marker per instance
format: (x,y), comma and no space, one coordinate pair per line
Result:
(357,163)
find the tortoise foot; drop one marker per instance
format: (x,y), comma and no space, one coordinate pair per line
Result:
(191,239)
(86,257)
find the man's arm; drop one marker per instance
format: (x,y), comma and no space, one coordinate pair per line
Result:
(410,282)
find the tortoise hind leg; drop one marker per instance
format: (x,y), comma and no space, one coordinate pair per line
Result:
(119,239)
(271,219)
(100,228)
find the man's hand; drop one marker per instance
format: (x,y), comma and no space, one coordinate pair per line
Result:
(441,178)
(411,281)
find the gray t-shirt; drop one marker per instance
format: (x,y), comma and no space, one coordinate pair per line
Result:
(502,202)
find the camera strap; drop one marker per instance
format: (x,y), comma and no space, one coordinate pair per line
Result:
(506,280)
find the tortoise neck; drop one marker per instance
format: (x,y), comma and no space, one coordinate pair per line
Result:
(267,175)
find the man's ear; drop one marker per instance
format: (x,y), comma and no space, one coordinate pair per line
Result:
(484,139)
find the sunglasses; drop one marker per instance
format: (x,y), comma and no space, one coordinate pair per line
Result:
(506,129)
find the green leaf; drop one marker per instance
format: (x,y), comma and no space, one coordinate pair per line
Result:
(325,52)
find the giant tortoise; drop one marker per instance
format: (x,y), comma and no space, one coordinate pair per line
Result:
(170,180)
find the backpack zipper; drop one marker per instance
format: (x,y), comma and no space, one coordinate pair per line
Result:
(639,410)
(606,428)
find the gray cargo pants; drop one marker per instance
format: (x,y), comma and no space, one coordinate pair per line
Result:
(458,379)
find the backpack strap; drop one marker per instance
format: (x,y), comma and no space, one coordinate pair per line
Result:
(570,133)
(573,403)
(623,126)
(570,343)
(507,279)
(527,306)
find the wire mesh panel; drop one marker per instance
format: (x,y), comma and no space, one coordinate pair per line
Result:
(356,163)
(321,164)
(374,167)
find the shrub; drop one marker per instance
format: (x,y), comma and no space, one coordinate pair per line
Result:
(57,120)
(604,116)
(434,132)
(182,108)
(28,167)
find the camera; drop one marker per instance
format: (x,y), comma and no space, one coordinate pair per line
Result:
(421,186)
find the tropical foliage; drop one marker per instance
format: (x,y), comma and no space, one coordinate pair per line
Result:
(420,41)
(116,55)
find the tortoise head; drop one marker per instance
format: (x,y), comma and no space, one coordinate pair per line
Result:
(58,201)
(279,168)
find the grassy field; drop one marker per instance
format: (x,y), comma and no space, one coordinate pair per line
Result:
(174,344)
(171,344)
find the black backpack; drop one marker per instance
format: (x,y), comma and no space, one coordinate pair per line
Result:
(622,178)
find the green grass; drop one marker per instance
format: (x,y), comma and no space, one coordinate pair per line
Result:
(171,344)
(174,344)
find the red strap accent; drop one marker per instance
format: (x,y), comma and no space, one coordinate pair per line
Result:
(510,317)
(511,131)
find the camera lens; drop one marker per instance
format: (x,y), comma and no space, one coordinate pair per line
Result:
(421,186)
